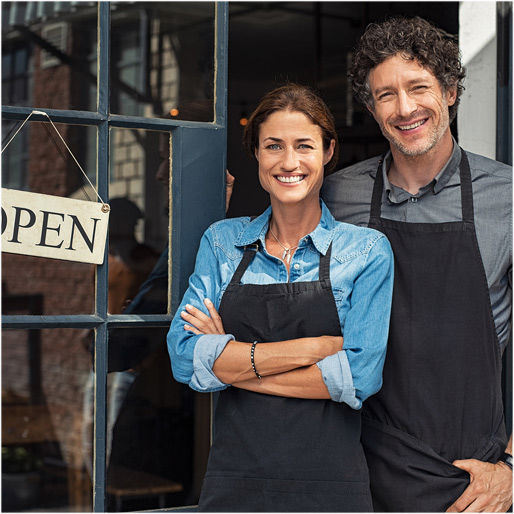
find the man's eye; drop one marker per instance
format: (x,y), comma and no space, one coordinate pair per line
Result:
(383,96)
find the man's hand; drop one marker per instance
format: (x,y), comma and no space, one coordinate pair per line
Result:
(230,188)
(490,488)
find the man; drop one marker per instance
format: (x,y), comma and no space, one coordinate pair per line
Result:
(434,435)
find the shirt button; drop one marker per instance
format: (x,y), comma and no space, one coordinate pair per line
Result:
(413,199)
(296,266)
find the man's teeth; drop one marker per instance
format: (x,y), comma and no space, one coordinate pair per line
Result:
(413,126)
(291,180)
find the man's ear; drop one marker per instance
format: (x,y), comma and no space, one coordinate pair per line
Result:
(451,96)
(370,109)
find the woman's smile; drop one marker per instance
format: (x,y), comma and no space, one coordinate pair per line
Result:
(290,179)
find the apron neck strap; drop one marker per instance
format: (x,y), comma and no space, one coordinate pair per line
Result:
(324,265)
(466,189)
(376,198)
(248,256)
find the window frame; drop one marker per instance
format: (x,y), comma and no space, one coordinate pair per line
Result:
(184,234)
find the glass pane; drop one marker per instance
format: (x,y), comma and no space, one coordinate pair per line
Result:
(157,428)
(138,224)
(37,161)
(162,59)
(52,54)
(44,373)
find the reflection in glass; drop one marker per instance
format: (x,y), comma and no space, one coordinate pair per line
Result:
(162,56)
(138,225)
(48,52)
(44,373)
(37,161)
(157,428)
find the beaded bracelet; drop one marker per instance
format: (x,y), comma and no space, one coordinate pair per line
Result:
(252,352)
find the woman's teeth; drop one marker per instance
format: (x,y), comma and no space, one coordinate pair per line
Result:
(290,180)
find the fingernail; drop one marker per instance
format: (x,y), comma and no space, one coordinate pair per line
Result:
(188,306)
(207,301)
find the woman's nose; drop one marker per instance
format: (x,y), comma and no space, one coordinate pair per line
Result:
(290,161)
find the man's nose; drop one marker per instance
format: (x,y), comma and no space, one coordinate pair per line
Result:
(405,104)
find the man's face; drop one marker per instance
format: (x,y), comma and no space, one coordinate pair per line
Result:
(409,105)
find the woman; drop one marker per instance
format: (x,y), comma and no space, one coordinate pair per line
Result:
(287,421)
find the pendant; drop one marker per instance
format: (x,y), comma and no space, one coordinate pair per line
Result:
(286,255)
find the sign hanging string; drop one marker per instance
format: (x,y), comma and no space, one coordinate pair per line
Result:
(105,207)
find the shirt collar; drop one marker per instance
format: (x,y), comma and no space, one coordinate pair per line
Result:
(398,195)
(321,236)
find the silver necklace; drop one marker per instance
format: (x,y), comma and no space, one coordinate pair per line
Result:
(286,254)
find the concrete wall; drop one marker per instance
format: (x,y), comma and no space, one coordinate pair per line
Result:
(476,119)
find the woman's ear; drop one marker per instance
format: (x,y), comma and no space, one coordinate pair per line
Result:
(329,152)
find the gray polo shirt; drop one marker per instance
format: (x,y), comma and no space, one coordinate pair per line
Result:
(347,194)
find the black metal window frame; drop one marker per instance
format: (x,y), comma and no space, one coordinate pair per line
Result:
(186,137)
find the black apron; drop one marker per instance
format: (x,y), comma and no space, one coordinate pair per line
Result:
(441,398)
(277,454)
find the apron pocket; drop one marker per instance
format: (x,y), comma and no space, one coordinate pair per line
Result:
(406,474)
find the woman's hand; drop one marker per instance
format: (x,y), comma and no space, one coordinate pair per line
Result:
(200,323)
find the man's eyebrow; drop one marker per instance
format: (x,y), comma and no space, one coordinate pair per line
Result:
(411,82)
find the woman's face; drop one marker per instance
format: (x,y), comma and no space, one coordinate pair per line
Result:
(291,157)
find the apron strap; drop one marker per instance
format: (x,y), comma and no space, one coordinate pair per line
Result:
(466,189)
(324,265)
(376,198)
(248,256)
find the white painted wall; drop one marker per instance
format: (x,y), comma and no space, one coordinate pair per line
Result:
(476,118)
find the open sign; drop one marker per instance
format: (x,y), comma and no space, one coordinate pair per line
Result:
(53,226)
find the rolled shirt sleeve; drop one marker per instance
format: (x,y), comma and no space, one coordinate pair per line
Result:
(207,349)
(337,376)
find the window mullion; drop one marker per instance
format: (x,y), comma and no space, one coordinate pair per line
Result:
(101,334)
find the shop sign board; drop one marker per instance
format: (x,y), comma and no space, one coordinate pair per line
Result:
(53,226)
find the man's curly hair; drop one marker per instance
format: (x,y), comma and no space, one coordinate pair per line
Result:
(415,39)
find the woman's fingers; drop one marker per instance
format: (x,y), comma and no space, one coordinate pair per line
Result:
(216,318)
(201,322)
(198,319)
(193,329)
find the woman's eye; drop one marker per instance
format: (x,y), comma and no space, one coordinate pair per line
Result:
(305,146)
(273,146)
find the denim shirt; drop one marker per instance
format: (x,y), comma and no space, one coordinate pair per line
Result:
(361,273)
